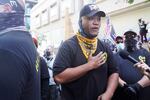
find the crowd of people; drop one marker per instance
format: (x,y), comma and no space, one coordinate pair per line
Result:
(84,68)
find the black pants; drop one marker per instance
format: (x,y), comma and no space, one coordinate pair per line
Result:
(120,94)
(54,92)
(143,34)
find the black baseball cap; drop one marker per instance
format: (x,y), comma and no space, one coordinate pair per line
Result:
(130,34)
(90,10)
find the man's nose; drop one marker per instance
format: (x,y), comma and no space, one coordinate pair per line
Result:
(96,21)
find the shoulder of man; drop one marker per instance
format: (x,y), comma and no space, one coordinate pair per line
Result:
(103,44)
(70,43)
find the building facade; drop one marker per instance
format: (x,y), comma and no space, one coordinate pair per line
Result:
(48,17)
(28,6)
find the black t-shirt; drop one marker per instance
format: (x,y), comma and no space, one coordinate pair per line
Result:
(91,85)
(44,69)
(19,79)
(44,79)
(132,75)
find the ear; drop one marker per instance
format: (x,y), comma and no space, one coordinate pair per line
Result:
(80,22)
(80,25)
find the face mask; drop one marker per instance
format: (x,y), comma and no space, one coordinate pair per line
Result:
(11,14)
(131,44)
(120,46)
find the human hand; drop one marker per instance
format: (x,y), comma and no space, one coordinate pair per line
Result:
(104,96)
(98,60)
(144,68)
(122,83)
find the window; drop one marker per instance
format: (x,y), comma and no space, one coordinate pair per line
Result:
(54,11)
(44,17)
(37,21)
(70,4)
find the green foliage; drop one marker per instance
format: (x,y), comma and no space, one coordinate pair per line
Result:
(130,1)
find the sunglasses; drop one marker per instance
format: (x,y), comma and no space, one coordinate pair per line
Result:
(130,36)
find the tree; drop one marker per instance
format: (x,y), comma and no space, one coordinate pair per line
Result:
(130,1)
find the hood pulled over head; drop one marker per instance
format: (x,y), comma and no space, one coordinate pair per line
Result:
(11,13)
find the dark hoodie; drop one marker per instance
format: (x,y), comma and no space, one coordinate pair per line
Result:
(11,14)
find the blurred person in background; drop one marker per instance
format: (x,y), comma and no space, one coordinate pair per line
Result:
(44,75)
(54,88)
(143,30)
(119,43)
(19,69)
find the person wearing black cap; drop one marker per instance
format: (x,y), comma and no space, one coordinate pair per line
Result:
(133,83)
(19,69)
(84,66)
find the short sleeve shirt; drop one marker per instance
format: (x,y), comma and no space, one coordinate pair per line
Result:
(19,79)
(91,85)
(130,74)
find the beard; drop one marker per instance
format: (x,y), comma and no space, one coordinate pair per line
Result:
(91,36)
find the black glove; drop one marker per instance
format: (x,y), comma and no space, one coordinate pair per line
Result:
(119,93)
(132,91)
(136,87)
(124,86)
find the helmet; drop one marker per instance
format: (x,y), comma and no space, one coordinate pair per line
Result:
(11,13)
